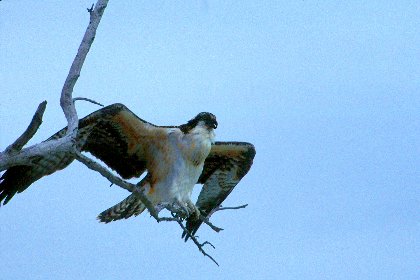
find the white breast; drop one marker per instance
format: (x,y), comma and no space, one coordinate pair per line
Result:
(189,152)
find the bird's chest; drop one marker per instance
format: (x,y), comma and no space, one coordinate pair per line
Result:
(195,146)
(185,177)
(179,179)
(193,150)
(188,156)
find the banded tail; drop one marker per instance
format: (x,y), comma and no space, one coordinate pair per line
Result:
(131,206)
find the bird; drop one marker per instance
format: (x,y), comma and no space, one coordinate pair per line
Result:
(175,159)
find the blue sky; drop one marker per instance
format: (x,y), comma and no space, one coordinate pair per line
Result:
(328,92)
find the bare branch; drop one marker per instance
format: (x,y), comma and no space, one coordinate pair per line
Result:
(87,99)
(206,242)
(31,155)
(220,208)
(91,164)
(65,144)
(30,130)
(194,239)
(90,10)
(66,101)
(207,222)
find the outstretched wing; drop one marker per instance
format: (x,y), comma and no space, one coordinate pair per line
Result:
(119,138)
(225,166)
(113,134)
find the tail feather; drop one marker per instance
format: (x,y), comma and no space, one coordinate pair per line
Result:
(131,206)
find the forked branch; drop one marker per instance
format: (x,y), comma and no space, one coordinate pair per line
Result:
(14,154)
(194,239)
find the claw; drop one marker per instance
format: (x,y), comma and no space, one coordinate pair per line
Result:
(195,212)
(182,209)
(179,209)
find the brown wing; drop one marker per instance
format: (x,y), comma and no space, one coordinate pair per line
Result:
(113,134)
(225,166)
(119,138)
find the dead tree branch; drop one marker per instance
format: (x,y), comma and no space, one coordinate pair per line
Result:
(91,164)
(66,100)
(220,208)
(30,155)
(88,100)
(14,154)
(194,239)
(207,222)
(30,130)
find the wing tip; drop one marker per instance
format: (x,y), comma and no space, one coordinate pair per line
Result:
(249,147)
(251,150)
(9,184)
(192,227)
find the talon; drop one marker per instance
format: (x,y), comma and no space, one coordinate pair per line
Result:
(195,212)
(180,209)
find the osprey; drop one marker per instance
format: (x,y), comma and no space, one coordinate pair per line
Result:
(175,158)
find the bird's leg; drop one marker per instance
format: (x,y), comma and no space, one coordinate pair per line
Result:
(194,212)
(177,207)
(159,207)
(182,209)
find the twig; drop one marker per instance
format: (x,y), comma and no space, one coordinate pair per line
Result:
(194,239)
(220,208)
(90,10)
(30,130)
(87,99)
(206,219)
(207,222)
(206,242)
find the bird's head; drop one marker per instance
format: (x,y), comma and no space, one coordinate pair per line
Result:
(203,118)
(207,118)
